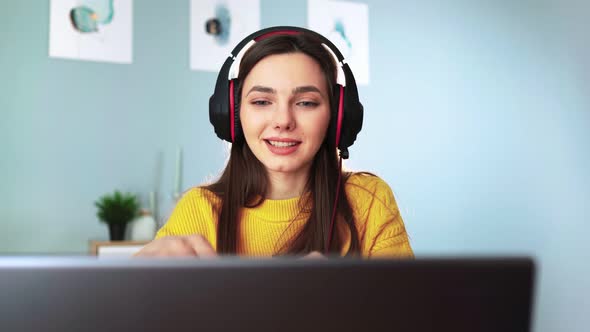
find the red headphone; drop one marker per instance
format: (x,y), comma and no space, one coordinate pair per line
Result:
(347,115)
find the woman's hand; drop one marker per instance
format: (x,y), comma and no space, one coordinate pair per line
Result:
(314,255)
(178,246)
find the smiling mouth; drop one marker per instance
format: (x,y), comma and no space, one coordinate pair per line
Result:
(278,144)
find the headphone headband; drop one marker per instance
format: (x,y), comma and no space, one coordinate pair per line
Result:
(285,30)
(237,54)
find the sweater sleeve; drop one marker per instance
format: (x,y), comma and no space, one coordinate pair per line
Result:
(386,231)
(194,213)
(393,241)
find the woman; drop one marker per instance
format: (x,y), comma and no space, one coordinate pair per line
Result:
(280,192)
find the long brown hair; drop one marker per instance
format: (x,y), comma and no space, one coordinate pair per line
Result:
(244,181)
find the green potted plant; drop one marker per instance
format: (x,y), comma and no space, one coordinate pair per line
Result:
(117,210)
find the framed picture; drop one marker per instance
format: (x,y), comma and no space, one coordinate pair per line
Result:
(216,27)
(92,30)
(346,24)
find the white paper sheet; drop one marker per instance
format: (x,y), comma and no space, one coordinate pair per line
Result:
(111,41)
(126,251)
(346,24)
(238,19)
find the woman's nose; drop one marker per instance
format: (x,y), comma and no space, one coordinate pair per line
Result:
(283,118)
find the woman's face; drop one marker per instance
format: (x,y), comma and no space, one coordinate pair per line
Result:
(285,111)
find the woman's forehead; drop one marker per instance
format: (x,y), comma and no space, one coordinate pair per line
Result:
(286,71)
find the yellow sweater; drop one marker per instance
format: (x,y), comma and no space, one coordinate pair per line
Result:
(263,230)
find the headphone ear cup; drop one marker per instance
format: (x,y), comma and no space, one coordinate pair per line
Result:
(332,128)
(219,110)
(338,114)
(238,133)
(352,114)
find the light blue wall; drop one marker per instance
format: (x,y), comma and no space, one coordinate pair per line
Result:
(478,115)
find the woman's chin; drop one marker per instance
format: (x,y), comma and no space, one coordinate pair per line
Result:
(281,168)
(285,167)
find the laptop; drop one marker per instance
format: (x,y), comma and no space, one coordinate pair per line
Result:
(280,294)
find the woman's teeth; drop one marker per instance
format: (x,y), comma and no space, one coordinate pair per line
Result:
(282,144)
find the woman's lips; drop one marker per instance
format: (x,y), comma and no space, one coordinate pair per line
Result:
(282,146)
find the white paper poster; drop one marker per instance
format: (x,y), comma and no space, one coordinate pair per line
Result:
(217,26)
(346,24)
(95,30)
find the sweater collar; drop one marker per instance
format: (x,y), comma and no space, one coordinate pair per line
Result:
(282,210)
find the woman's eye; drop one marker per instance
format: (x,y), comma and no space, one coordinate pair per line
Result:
(260,102)
(308,103)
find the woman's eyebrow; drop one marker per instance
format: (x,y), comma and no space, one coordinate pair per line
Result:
(261,88)
(306,88)
(297,90)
